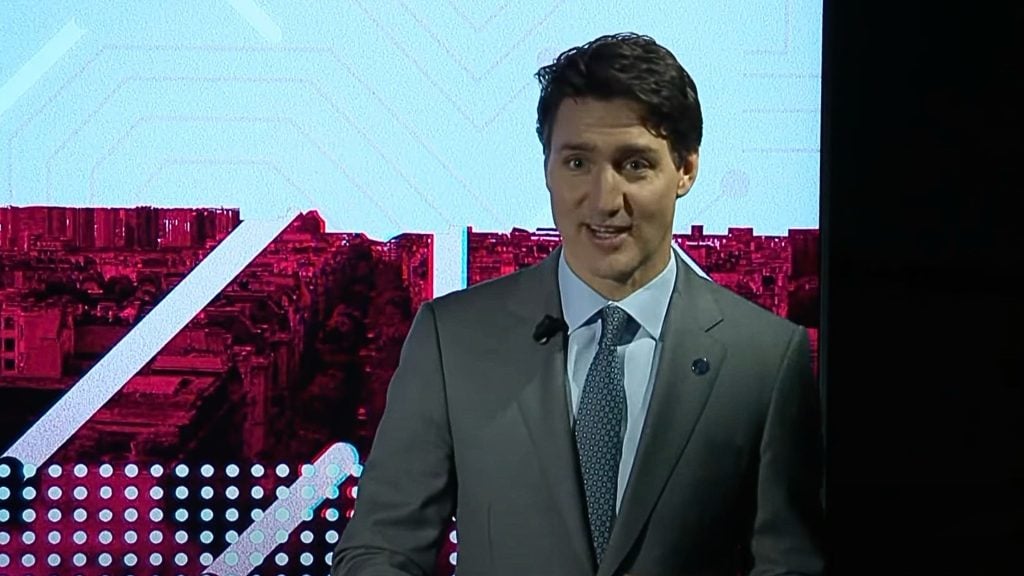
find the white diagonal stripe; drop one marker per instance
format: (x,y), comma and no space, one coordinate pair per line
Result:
(139,346)
(285,515)
(258,18)
(42,61)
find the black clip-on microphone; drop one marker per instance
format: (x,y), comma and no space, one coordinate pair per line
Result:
(548,327)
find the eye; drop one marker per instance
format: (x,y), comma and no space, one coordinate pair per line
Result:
(637,165)
(574,163)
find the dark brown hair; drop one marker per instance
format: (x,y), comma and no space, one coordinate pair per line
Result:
(630,66)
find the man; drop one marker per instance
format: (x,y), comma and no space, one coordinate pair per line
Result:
(608,410)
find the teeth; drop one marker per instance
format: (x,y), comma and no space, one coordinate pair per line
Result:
(606,232)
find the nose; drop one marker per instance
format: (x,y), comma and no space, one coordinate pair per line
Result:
(606,195)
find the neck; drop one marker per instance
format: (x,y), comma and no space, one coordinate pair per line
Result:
(616,289)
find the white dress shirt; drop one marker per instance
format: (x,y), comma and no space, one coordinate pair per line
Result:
(638,348)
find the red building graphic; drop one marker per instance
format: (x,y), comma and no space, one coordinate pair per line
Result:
(296,352)
(779,273)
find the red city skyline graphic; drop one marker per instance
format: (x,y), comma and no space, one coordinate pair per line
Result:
(779,273)
(294,355)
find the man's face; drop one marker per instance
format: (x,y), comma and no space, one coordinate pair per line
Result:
(613,188)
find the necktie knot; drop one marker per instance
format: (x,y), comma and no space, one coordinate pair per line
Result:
(613,321)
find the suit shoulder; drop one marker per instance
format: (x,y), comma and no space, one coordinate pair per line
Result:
(750,317)
(484,297)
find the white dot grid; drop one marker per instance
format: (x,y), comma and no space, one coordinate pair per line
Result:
(156,537)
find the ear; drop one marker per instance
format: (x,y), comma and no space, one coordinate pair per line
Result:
(687,173)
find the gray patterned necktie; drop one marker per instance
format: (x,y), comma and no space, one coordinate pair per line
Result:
(599,429)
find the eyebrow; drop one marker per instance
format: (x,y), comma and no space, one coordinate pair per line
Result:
(621,150)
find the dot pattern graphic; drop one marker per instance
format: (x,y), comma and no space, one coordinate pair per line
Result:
(171,518)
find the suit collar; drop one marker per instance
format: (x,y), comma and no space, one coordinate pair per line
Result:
(677,402)
(647,305)
(543,402)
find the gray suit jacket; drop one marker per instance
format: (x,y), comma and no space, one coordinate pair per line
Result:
(728,470)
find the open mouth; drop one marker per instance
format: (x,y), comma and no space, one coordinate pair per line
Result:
(607,234)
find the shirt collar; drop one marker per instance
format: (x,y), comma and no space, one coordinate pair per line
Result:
(647,305)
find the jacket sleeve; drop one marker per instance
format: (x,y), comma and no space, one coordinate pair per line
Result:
(788,525)
(407,490)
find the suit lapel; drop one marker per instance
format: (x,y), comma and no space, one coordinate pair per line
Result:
(544,406)
(677,402)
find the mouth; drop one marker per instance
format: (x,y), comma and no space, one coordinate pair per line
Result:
(607,234)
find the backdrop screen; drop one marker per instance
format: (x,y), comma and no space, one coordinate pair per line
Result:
(218,218)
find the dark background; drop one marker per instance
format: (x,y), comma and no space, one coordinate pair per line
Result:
(922,320)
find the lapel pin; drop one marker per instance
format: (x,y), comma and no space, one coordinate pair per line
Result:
(700,366)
